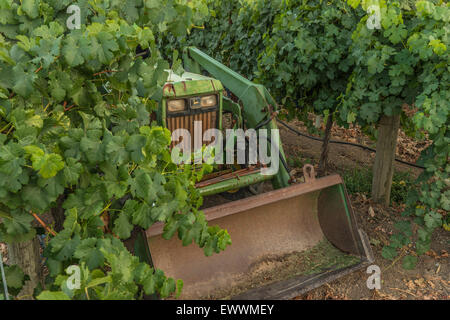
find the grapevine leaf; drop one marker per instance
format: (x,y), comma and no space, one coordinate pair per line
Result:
(72,52)
(122,226)
(389,252)
(88,251)
(409,262)
(15,278)
(52,295)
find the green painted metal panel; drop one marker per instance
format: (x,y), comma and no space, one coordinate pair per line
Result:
(192,88)
(234,108)
(234,183)
(221,97)
(344,200)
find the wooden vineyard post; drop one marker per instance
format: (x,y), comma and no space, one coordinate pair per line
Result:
(383,169)
(26,255)
(323,163)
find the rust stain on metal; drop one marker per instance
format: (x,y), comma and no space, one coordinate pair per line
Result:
(210,176)
(170,88)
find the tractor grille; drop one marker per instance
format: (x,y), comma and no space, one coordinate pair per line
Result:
(186,121)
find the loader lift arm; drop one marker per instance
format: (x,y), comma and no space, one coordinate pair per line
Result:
(259,108)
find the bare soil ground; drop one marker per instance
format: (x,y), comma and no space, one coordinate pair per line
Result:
(430,279)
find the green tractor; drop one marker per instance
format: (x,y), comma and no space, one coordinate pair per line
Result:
(284,242)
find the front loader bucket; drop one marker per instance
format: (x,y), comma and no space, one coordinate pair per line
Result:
(284,243)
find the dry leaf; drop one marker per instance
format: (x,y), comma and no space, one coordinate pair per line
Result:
(410,285)
(420,282)
(431,253)
(371,212)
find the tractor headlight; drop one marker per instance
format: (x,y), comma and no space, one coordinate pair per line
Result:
(203,102)
(209,101)
(176,105)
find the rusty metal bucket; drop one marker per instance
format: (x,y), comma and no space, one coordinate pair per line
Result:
(284,243)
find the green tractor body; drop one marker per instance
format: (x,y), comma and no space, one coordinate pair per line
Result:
(183,103)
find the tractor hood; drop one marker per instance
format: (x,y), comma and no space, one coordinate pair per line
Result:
(189,84)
